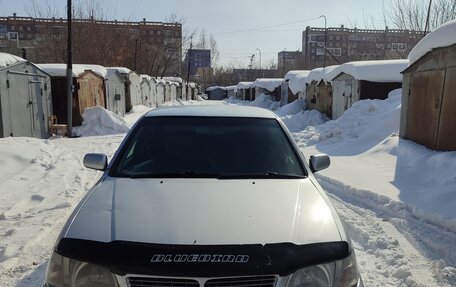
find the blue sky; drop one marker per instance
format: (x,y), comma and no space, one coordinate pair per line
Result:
(220,17)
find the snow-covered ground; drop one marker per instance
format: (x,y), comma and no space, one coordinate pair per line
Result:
(394,196)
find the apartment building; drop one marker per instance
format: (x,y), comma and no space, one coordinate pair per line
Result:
(150,47)
(347,45)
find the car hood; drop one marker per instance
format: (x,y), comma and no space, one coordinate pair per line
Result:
(204,212)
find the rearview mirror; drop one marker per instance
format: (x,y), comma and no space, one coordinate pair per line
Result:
(319,162)
(97,161)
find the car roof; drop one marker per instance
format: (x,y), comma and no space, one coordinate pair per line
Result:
(221,110)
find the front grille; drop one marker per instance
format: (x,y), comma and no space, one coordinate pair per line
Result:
(255,281)
(161,282)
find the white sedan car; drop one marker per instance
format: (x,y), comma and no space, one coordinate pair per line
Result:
(205,196)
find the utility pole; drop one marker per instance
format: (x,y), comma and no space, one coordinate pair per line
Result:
(426,27)
(136,53)
(250,66)
(69,72)
(189,55)
(326,32)
(262,74)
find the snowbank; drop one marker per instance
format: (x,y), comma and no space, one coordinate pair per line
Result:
(374,71)
(291,108)
(359,122)
(265,102)
(368,156)
(99,121)
(297,80)
(303,119)
(59,70)
(442,36)
(8,60)
(261,101)
(268,84)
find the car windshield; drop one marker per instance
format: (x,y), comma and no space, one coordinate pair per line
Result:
(213,147)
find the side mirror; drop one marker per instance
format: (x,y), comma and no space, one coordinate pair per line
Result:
(319,162)
(97,161)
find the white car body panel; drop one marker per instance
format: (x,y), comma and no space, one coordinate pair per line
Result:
(205,212)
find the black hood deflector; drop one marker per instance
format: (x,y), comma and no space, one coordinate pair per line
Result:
(123,257)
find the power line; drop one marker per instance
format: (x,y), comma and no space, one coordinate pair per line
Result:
(266,27)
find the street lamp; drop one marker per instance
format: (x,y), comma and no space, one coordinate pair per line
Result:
(324,55)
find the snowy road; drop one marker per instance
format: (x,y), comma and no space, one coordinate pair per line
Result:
(45,180)
(394,251)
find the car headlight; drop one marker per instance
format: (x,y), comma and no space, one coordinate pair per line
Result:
(349,275)
(64,271)
(343,273)
(314,276)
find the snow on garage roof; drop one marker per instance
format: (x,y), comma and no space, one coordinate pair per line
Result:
(121,70)
(173,79)
(442,36)
(59,70)
(97,69)
(244,85)
(374,71)
(215,88)
(319,74)
(144,76)
(8,60)
(268,84)
(297,80)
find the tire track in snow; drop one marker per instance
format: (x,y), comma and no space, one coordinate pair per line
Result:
(393,249)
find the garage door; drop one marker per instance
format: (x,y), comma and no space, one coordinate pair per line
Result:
(446,138)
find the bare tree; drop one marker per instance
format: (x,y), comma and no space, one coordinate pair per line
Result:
(412,14)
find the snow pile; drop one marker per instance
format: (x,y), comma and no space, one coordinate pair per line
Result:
(59,70)
(8,60)
(369,157)
(297,80)
(99,121)
(442,36)
(265,102)
(261,101)
(268,84)
(319,74)
(374,71)
(373,120)
(291,108)
(303,119)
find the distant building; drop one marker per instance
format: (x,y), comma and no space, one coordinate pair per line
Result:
(199,58)
(243,75)
(347,45)
(289,60)
(109,43)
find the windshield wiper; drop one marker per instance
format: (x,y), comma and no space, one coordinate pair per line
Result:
(265,175)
